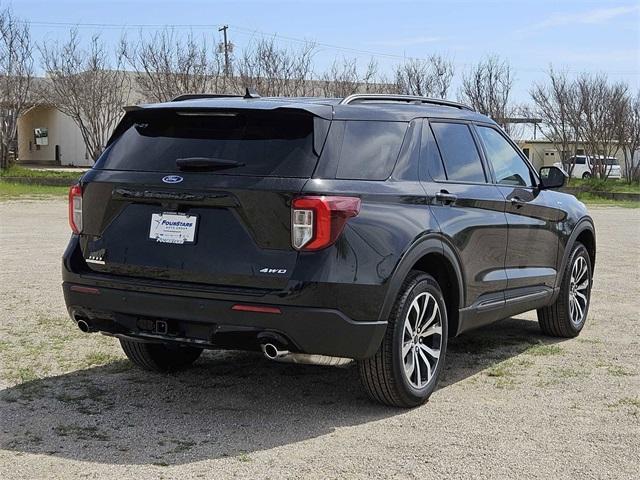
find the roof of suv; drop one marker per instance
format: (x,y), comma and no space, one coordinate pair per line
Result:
(354,107)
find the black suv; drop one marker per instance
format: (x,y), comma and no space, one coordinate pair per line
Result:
(372,228)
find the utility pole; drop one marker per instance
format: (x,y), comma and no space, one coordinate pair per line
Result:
(226,49)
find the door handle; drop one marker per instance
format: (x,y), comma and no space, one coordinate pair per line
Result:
(445,197)
(516,202)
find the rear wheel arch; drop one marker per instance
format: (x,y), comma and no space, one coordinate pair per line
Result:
(436,258)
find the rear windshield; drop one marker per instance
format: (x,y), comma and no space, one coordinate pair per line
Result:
(263,143)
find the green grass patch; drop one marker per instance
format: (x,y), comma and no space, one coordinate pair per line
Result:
(591,341)
(543,350)
(25,374)
(500,370)
(629,402)
(504,374)
(618,371)
(182,446)
(243,457)
(595,184)
(10,191)
(594,199)
(80,433)
(16,171)
(99,358)
(568,372)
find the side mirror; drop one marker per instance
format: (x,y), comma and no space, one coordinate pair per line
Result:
(552,177)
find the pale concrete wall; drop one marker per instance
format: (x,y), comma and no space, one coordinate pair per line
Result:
(542,153)
(62,132)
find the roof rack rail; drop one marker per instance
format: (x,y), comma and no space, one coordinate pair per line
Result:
(411,99)
(195,96)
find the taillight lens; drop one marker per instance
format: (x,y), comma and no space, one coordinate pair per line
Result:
(317,222)
(75,208)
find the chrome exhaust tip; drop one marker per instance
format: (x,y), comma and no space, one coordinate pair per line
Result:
(272,352)
(83,326)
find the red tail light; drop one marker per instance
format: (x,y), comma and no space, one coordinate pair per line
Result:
(75,208)
(317,222)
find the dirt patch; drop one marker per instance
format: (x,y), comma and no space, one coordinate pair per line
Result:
(512,402)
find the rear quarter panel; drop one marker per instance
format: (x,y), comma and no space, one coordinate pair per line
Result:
(359,266)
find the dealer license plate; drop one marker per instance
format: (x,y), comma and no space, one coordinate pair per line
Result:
(173,228)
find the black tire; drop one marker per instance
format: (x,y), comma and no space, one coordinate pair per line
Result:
(555,320)
(586,175)
(160,357)
(383,375)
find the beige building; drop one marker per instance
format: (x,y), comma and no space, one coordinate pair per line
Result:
(48,137)
(543,152)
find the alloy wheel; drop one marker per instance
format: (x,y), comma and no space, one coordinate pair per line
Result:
(422,340)
(578,291)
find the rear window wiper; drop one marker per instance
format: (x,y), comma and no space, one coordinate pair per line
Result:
(206,163)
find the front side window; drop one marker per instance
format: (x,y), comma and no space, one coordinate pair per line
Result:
(508,165)
(459,152)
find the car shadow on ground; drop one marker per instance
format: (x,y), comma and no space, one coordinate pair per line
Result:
(229,404)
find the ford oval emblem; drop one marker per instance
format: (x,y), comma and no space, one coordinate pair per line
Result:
(172,179)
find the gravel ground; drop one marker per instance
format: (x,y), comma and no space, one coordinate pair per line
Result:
(512,404)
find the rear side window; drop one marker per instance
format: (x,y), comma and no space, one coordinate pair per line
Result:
(430,155)
(370,149)
(459,152)
(263,143)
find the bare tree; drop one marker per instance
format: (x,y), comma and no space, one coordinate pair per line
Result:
(487,88)
(555,104)
(343,78)
(629,137)
(16,78)
(602,110)
(87,87)
(167,65)
(275,71)
(428,78)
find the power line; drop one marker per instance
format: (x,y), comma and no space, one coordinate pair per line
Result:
(117,25)
(246,31)
(254,33)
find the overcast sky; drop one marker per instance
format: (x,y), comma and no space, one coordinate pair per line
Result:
(575,35)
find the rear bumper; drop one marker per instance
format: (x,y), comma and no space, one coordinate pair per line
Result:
(212,323)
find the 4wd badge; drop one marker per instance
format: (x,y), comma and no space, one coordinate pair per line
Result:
(277,271)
